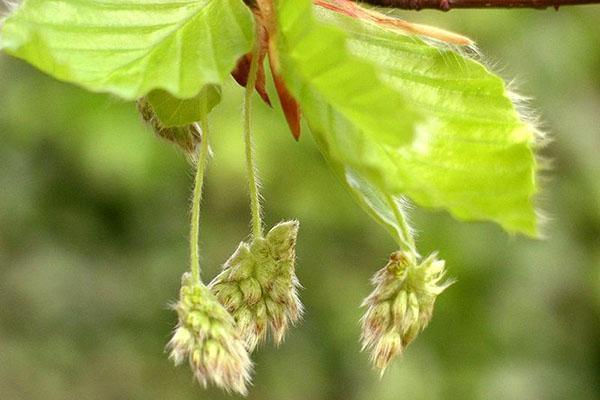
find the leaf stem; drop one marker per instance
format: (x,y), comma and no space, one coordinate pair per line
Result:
(201,162)
(447,5)
(407,241)
(253,186)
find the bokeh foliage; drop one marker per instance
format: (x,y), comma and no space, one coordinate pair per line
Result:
(93,228)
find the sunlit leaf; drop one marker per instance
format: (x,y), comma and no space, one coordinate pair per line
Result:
(130,47)
(314,60)
(472,153)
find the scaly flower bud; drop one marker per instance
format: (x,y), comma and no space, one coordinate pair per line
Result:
(206,335)
(258,285)
(401,305)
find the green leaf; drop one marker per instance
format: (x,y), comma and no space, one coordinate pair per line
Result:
(315,62)
(172,111)
(370,197)
(130,47)
(383,208)
(472,154)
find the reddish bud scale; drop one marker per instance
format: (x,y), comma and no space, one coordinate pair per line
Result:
(263,13)
(242,69)
(289,105)
(353,10)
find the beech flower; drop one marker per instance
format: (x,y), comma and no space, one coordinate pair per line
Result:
(401,305)
(258,285)
(206,336)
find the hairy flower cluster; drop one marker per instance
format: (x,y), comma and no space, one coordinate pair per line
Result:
(258,285)
(401,305)
(187,136)
(207,337)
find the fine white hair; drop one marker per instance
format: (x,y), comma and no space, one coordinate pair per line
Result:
(6,8)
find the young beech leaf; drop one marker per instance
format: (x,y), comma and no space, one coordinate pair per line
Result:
(314,61)
(172,111)
(187,137)
(372,199)
(130,47)
(380,207)
(473,153)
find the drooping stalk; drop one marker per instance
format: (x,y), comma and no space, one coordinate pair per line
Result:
(407,241)
(253,186)
(201,162)
(447,5)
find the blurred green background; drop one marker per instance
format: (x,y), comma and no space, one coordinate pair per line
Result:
(93,241)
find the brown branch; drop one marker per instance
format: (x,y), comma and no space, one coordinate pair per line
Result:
(447,5)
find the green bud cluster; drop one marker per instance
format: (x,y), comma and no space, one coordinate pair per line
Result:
(401,305)
(187,137)
(207,337)
(258,285)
